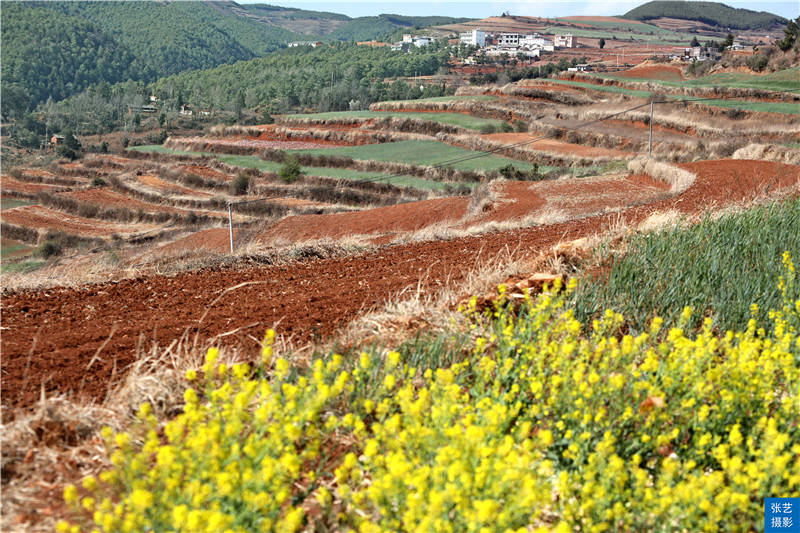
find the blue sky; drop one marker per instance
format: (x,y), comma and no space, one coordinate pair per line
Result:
(486,8)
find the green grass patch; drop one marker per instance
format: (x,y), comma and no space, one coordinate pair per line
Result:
(783,80)
(21,267)
(12,248)
(422,153)
(717,267)
(251,161)
(453,119)
(10,203)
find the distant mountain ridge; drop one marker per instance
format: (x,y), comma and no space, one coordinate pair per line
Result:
(711,13)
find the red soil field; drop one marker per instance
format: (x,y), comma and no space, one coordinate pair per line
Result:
(10,184)
(38,217)
(389,220)
(167,187)
(105,198)
(654,72)
(215,239)
(558,147)
(206,172)
(305,301)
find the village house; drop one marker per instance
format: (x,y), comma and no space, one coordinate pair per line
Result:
(473,38)
(564,41)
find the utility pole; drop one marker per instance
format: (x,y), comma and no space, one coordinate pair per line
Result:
(650,149)
(230,225)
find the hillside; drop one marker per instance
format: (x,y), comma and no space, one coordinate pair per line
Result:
(711,13)
(176,36)
(49,54)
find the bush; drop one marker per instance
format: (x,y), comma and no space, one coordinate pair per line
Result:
(48,249)
(290,170)
(240,184)
(488,128)
(757,62)
(520,126)
(98,182)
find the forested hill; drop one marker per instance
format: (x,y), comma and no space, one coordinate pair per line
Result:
(47,54)
(367,28)
(324,78)
(177,36)
(711,13)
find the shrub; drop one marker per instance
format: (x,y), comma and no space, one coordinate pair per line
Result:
(290,170)
(48,249)
(757,62)
(240,184)
(488,128)
(520,126)
(98,182)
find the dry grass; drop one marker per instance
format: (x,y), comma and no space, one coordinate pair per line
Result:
(767,152)
(678,179)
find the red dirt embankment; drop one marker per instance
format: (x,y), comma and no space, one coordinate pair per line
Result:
(12,185)
(307,300)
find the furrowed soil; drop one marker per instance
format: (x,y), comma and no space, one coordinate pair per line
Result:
(53,335)
(43,218)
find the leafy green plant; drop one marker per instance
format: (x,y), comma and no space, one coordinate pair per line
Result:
(290,170)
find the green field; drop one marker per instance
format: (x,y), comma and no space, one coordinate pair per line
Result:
(658,35)
(717,267)
(251,161)
(762,107)
(10,203)
(422,153)
(453,119)
(784,80)
(11,248)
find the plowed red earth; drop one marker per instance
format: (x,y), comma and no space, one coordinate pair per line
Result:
(663,73)
(207,172)
(381,221)
(307,300)
(168,187)
(38,217)
(10,184)
(110,199)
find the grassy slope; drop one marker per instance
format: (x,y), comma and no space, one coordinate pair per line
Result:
(454,119)
(422,153)
(718,266)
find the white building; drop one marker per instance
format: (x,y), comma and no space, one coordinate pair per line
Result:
(419,42)
(474,38)
(408,38)
(565,41)
(509,40)
(536,42)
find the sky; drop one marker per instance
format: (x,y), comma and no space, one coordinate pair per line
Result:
(487,8)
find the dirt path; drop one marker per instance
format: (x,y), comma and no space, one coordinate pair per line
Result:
(50,336)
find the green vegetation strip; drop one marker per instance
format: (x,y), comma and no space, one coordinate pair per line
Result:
(453,119)
(10,203)
(762,107)
(251,161)
(422,153)
(717,267)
